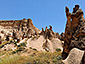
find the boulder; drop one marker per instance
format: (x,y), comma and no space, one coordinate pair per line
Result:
(75,56)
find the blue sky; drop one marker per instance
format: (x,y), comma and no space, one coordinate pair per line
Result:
(42,12)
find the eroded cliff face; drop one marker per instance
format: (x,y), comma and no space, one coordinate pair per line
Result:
(22,28)
(74,31)
(24,31)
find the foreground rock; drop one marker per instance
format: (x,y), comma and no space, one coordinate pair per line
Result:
(74,31)
(74,57)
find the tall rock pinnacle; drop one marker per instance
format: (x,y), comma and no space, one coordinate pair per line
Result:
(74,31)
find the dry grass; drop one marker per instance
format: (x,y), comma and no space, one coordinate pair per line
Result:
(31,56)
(34,57)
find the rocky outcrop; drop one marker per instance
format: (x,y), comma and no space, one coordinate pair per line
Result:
(74,57)
(24,31)
(18,28)
(62,36)
(74,31)
(41,44)
(48,33)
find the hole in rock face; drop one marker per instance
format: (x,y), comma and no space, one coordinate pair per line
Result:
(68,33)
(83,36)
(82,28)
(64,55)
(79,44)
(72,38)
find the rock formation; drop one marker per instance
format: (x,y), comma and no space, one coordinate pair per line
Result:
(48,33)
(42,44)
(47,40)
(74,57)
(62,36)
(18,28)
(74,31)
(21,31)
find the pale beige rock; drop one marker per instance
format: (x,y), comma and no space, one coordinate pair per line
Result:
(9,47)
(74,57)
(38,44)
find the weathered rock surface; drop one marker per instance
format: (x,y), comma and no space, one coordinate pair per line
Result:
(24,31)
(74,31)
(74,57)
(42,44)
(9,47)
(18,28)
(48,33)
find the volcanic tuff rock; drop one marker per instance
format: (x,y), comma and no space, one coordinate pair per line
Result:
(74,31)
(24,31)
(17,28)
(42,44)
(74,57)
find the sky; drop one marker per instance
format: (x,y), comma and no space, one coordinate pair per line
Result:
(42,12)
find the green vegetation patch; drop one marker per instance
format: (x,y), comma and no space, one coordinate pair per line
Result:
(34,57)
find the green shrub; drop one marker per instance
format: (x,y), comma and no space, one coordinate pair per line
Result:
(1,46)
(34,49)
(14,52)
(30,47)
(58,49)
(38,58)
(22,44)
(18,50)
